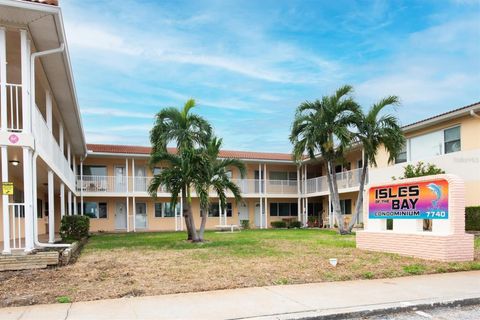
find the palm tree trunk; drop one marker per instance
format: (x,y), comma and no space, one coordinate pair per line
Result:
(201,232)
(186,212)
(332,182)
(359,205)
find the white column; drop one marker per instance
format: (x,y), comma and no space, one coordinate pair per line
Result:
(62,199)
(51,208)
(69,154)
(181,211)
(3,83)
(266,196)
(299,195)
(75,207)
(6,211)
(69,203)
(260,193)
(48,103)
(330,217)
(128,214)
(133,199)
(28,201)
(61,143)
(27,100)
(81,187)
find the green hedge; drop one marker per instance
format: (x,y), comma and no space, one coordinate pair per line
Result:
(74,228)
(472,218)
(278,224)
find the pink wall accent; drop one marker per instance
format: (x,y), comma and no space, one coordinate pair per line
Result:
(448,244)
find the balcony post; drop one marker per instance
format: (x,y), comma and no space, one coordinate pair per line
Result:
(219,212)
(3,89)
(260,192)
(266,195)
(133,198)
(48,103)
(81,187)
(5,200)
(69,155)
(299,191)
(62,199)
(28,198)
(61,143)
(75,208)
(51,208)
(69,203)
(28,85)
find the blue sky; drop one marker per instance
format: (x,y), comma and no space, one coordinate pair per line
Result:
(249,64)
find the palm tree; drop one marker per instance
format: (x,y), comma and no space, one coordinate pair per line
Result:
(214,176)
(179,176)
(323,126)
(373,131)
(187,131)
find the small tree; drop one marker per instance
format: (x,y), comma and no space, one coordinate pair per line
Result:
(420,170)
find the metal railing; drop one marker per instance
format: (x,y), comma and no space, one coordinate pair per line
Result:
(17,225)
(345,179)
(14,107)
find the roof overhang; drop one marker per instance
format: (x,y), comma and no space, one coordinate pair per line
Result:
(45,24)
(462,112)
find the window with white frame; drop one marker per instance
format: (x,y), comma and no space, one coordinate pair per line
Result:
(283,209)
(278,177)
(166,210)
(402,155)
(214,210)
(452,141)
(432,144)
(94,210)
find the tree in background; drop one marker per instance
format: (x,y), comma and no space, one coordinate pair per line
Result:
(375,130)
(324,127)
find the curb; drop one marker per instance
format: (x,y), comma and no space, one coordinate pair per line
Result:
(371,310)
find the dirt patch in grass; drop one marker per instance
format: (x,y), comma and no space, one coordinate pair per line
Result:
(166,264)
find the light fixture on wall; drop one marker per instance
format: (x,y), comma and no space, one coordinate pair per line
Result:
(14,162)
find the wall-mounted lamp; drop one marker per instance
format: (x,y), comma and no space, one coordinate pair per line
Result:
(14,162)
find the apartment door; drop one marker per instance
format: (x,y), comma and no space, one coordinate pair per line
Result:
(140,179)
(257,178)
(140,215)
(121,216)
(120,179)
(243,212)
(257,214)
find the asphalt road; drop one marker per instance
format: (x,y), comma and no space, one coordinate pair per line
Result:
(445,313)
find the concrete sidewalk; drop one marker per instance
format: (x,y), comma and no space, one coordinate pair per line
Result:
(276,302)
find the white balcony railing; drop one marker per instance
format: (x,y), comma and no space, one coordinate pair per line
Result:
(345,180)
(112,184)
(14,107)
(49,149)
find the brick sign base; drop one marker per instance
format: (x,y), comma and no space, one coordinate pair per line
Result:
(449,243)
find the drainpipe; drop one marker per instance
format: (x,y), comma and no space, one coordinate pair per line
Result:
(473,114)
(35,155)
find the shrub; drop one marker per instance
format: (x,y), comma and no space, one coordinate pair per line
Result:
(74,228)
(245,224)
(295,224)
(415,268)
(278,224)
(472,218)
(420,170)
(63,299)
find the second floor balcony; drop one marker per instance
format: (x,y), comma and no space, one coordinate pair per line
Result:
(122,185)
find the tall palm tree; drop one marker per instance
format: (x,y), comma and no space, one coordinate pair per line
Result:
(214,177)
(373,131)
(180,175)
(187,131)
(323,127)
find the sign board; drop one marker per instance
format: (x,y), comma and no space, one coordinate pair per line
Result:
(7,188)
(421,200)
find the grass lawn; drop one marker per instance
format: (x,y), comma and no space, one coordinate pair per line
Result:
(119,265)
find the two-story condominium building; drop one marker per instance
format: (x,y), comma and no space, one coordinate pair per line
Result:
(114,179)
(49,171)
